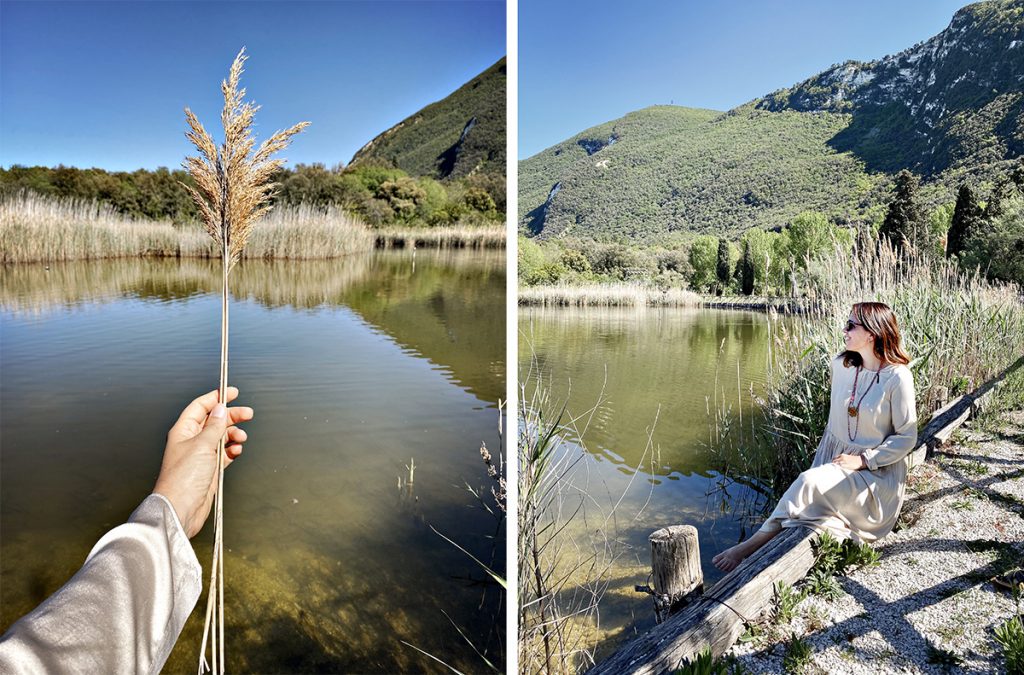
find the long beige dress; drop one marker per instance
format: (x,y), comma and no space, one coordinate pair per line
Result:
(862,505)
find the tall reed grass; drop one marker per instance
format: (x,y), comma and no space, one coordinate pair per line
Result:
(35,228)
(606,295)
(304,233)
(959,329)
(568,542)
(452,236)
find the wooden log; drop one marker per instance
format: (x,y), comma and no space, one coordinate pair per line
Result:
(717,619)
(676,573)
(939,428)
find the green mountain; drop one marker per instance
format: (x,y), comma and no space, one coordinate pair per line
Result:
(955,100)
(460,135)
(949,108)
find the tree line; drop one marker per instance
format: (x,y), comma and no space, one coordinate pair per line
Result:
(985,235)
(379,194)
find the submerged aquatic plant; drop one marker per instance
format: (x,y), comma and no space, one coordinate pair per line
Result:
(233,189)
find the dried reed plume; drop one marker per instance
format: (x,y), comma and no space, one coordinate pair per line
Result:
(233,189)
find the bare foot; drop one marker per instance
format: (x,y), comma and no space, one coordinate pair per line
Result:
(730,558)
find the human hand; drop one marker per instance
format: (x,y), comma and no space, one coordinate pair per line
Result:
(188,474)
(850,462)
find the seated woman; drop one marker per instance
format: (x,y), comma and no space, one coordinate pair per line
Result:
(854,489)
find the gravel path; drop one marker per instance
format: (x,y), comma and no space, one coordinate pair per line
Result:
(930,605)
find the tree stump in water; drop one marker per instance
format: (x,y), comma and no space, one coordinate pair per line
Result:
(676,574)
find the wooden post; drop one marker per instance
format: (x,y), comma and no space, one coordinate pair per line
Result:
(676,572)
(941,397)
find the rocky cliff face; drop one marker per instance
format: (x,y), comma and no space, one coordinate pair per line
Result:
(956,99)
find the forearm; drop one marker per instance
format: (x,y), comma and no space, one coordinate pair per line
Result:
(122,611)
(890,451)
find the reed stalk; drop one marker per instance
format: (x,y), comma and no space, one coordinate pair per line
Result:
(568,539)
(233,190)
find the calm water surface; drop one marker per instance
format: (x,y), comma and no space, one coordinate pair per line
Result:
(354,366)
(642,385)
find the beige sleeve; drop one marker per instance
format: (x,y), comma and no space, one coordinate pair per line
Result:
(122,611)
(899,444)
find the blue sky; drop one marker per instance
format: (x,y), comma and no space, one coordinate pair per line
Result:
(584,63)
(104,84)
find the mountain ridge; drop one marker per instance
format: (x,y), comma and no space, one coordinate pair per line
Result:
(460,135)
(828,143)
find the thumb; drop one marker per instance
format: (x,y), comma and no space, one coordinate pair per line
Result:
(216,425)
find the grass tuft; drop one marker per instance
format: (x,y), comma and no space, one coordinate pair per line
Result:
(786,600)
(704,664)
(824,585)
(1010,636)
(798,655)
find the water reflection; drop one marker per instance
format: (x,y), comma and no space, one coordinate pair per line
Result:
(353,366)
(653,372)
(643,385)
(449,309)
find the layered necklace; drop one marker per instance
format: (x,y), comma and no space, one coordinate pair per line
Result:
(852,409)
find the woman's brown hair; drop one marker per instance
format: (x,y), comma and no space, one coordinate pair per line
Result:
(878,319)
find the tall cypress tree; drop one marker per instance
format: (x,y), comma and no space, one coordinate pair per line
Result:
(904,221)
(1000,193)
(723,268)
(966,221)
(1017,175)
(747,270)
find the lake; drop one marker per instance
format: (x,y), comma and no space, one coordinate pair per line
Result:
(354,367)
(642,386)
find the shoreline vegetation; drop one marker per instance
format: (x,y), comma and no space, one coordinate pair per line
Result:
(445,236)
(639,296)
(959,327)
(36,228)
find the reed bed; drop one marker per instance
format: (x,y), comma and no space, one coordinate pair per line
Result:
(959,329)
(754,303)
(453,236)
(305,233)
(35,228)
(606,295)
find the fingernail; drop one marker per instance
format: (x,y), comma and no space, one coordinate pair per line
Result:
(219,411)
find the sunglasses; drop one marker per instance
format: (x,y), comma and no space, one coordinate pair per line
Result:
(850,325)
